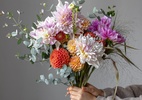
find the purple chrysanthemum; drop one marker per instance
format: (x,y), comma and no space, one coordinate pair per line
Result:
(103,22)
(107,33)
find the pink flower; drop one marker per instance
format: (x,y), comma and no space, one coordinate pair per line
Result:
(107,33)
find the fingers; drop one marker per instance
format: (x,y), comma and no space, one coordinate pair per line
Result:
(93,90)
(72,97)
(74,88)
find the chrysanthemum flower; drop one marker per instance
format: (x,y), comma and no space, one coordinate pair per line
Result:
(46,30)
(89,50)
(75,64)
(44,34)
(63,14)
(59,57)
(71,46)
(110,34)
(104,22)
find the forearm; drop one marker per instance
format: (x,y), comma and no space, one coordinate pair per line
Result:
(130,91)
(117,98)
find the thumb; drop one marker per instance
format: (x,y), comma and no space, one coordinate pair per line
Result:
(86,89)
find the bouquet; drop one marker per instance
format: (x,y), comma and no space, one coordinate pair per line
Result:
(73,45)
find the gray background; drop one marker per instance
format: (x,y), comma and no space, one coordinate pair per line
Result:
(17,78)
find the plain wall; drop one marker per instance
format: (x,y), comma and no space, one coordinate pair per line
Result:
(18,78)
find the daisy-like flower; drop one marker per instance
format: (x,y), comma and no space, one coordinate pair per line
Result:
(75,64)
(89,50)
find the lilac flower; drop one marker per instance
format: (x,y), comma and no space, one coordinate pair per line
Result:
(63,14)
(46,30)
(44,34)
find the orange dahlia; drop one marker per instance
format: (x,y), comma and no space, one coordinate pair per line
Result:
(59,57)
(61,37)
(71,46)
(85,24)
(75,64)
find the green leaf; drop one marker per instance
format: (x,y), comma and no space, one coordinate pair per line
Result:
(34,26)
(120,53)
(9,15)
(19,41)
(109,7)
(81,1)
(103,11)
(38,17)
(44,55)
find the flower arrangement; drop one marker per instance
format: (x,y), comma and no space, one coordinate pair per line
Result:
(73,45)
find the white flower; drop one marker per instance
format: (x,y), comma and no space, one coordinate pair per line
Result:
(89,50)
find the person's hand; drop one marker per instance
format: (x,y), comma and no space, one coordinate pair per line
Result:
(78,94)
(93,90)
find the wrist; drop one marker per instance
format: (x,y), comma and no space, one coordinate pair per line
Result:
(101,93)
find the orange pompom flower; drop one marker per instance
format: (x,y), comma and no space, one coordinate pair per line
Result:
(75,64)
(59,57)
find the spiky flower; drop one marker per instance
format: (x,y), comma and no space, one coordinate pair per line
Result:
(89,50)
(46,30)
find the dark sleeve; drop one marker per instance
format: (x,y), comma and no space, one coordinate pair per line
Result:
(118,98)
(130,91)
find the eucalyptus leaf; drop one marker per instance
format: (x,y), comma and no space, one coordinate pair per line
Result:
(95,10)
(21,32)
(26,43)
(31,42)
(46,82)
(13,34)
(42,77)
(32,58)
(92,16)
(26,36)
(81,1)
(50,76)
(33,51)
